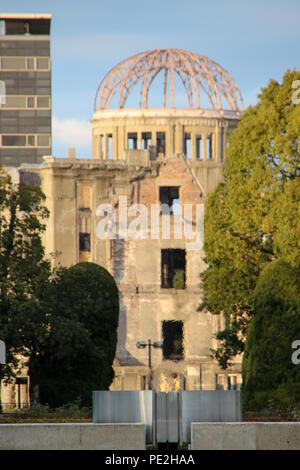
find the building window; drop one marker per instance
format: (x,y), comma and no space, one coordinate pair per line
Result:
(146,140)
(39,140)
(30,63)
(13,63)
(23,101)
(198,147)
(25,63)
(169,196)
(84,242)
(187,144)
(43,102)
(172,332)
(14,140)
(42,63)
(132,140)
(31,140)
(161,143)
(173,269)
(209,147)
(43,140)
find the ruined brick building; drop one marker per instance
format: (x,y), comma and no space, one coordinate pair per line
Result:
(136,207)
(145,160)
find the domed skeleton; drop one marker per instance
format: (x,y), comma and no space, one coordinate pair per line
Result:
(196,72)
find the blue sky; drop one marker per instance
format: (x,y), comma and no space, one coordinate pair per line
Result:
(254,40)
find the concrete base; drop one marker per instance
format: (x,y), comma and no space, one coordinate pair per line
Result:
(73,436)
(245,436)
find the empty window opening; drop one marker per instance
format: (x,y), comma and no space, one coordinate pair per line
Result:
(161,143)
(172,332)
(110,147)
(146,140)
(209,147)
(173,269)
(187,144)
(84,241)
(232,382)
(27,26)
(169,196)
(132,140)
(2,27)
(198,147)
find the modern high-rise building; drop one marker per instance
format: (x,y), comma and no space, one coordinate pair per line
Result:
(25,88)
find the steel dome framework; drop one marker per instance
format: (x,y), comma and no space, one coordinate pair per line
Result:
(196,72)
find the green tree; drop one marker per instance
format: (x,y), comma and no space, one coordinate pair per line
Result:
(252,217)
(24,271)
(268,371)
(81,345)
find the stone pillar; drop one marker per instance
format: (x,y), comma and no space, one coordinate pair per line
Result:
(115,145)
(139,140)
(217,146)
(121,142)
(193,145)
(105,146)
(171,148)
(179,138)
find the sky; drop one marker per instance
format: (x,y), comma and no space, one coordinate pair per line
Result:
(254,40)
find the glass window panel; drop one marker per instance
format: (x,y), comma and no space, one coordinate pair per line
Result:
(42,63)
(30,101)
(30,64)
(31,140)
(13,63)
(43,140)
(15,102)
(14,140)
(43,101)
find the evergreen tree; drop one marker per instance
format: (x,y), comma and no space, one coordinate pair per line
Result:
(81,345)
(269,373)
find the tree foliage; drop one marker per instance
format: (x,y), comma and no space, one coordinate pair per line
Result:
(252,217)
(60,323)
(81,345)
(268,371)
(24,272)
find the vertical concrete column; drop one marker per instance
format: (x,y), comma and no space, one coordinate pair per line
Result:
(193,145)
(153,137)
(225,137)
(105,146)
(171,147)
(121,142)
(115,143)
(96,145)
(179,138)
(217,146)
(139,140)
(100,146)
(94,139)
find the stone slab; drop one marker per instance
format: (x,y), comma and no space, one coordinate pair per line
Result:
(245,436)
(72,436)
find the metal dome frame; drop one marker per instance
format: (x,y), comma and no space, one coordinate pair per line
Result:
(195,71)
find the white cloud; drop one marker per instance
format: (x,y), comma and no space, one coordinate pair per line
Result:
(71,133)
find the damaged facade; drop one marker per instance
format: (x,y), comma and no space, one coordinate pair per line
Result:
(150,157)
(145,159)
